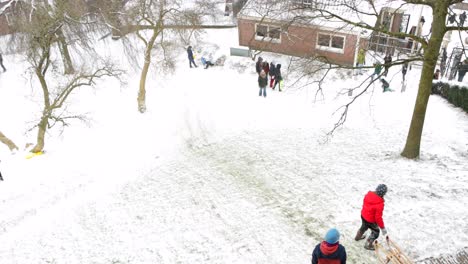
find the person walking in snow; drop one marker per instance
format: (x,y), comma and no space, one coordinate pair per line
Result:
(361,60)
(1,178)
(272,74)
(371,216)
(387,64)
(377,71)
(191,57)
(329,251)
(1,62)
(259,65)
(262,83)
(404,69)
(278,77)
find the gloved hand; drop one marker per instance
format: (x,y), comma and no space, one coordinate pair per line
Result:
(384,232)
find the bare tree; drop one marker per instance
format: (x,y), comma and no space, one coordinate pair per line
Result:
(38,40)
(154,22)
(353,14)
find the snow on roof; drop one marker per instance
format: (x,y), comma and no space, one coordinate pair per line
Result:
(293,12)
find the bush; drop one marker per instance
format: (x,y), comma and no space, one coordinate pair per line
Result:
(456,95)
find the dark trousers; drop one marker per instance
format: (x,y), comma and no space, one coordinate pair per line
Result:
(192,61)
(375,230)
(208,64)
(1,178)
(1,64)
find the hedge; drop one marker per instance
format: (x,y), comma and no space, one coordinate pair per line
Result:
(457,95)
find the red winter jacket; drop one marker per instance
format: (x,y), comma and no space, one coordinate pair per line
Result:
(372,209)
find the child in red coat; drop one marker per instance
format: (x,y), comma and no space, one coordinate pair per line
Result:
(371,216)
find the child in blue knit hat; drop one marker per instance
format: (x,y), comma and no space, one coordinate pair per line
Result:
(329,250)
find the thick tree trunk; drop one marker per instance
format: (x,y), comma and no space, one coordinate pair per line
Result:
(40,136)
(144,72)
(431,53)
(42,126)
(67,62)
(7,142)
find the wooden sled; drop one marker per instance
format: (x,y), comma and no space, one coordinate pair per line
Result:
(390,252)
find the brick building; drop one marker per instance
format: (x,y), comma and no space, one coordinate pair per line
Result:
(279,28)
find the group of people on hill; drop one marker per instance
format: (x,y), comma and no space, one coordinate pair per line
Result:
(265,69)
(331,251)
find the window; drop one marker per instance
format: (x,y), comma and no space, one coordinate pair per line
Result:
(324,40)
(337,42)
(274,32)
(268,33)
(330,42)
(262,31)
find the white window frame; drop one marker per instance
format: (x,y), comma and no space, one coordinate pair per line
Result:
(267,38)
(329,47)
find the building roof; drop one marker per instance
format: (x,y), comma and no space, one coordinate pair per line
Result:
(289,12)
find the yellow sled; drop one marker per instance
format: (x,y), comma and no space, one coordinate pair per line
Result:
(32,155)
(390,252)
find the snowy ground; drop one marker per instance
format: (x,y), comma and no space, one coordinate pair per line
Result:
(213,173)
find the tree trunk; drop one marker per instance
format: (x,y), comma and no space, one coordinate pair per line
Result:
(7,142)
(42,126)
(144,72)
(40,135)
(413,140)
(67,62)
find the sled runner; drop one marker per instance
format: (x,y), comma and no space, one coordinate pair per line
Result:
(32,155)
(390,252)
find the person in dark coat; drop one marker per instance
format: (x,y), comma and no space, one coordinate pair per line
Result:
(462,19)
(385,86)
(388,61)
(259,65)
(1,63)
(404,69)
(372,216)
(278,77)
(262,83)
(190,57)
(272,74)
(329,251)
(462,69)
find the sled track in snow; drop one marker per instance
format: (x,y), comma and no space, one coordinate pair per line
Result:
(460,257)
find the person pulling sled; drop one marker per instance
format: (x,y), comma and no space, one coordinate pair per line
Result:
(371,216)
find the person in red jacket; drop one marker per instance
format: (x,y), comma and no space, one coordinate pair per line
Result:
(329,251)
(371,216)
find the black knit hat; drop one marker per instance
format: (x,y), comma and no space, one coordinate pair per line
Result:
(381,190)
